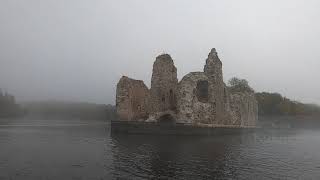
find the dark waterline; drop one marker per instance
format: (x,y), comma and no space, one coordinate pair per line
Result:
(82,150)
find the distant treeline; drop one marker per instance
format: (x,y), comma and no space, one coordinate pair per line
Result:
(8,106)
(274,104)
(69,110)
(54,109)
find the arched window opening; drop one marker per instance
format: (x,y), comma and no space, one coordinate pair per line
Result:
(202,91)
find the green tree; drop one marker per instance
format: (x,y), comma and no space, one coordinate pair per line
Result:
(239,85)
(274,104)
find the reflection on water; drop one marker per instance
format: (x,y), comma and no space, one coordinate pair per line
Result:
(78,150)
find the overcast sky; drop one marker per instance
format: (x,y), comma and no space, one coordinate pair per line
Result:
(78,49)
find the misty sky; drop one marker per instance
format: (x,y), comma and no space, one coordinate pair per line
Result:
(78,49)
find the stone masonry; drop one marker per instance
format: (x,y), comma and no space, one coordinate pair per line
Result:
(132,100)
(164,83)
(200,98)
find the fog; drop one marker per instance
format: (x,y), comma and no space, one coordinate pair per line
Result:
(76,50)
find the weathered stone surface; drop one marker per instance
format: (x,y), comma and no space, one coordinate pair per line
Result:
(244,109)
(132,99)
(213,69)
(200,98)
(164,85)
(193,106)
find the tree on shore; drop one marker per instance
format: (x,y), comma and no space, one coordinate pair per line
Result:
(8,105)
(239,85)
(274,104)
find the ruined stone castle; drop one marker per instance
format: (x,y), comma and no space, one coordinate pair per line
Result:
(200,98)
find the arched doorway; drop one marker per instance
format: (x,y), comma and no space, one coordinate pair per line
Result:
(166,119)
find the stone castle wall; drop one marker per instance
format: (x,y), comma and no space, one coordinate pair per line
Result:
(164,83)
(193,100)
(132,100)
(200,98)
(213,69)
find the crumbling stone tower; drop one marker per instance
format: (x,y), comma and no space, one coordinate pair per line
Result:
(213,70)
(164,83)
(132,99)
(213,67)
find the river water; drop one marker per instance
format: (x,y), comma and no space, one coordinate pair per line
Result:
(81,150)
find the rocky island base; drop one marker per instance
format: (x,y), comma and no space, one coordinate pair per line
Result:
(126,127)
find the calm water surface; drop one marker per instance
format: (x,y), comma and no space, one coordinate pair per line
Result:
(82,150)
